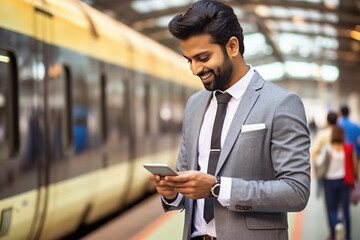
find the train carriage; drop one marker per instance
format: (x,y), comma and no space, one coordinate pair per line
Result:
(84,102)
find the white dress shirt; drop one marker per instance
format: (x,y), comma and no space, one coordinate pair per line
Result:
(236,91)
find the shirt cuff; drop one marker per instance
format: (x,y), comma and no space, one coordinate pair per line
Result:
(225,192)
(174,203)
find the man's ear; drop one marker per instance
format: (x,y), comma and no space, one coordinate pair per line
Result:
(232,46)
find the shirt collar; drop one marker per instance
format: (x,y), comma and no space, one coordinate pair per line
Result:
(238,89)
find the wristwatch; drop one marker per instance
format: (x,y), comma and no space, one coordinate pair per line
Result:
(215,189)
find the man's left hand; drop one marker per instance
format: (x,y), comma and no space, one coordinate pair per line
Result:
(192,184)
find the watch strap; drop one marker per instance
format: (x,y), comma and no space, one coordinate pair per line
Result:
(215,189)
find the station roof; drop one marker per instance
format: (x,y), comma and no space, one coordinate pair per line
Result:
(290,38)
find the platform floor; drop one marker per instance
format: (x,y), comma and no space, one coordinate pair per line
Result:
(147,221)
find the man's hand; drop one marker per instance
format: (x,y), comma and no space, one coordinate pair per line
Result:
(163,188)
(192,184)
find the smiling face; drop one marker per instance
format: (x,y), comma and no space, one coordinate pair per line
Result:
(208,61)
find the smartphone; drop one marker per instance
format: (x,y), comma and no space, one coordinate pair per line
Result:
(161,169)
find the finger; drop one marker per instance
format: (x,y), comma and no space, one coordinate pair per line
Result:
(192,193)
(189,192)
(184,176)
(178,178)
(156,177)
(163,182)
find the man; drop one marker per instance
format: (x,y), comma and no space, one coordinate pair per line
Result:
(263,169)
(352,130)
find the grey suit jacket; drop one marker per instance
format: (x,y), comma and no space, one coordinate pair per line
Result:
(270,168)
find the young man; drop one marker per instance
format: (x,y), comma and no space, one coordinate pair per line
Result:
(352,130)
(262,168)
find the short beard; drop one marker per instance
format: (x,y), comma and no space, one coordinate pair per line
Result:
(223,76)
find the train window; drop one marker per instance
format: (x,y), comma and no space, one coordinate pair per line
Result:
(154,105)
(165,112)
(80,113)
(9,140)
(147,104)
(59,104)
(177,108)
(67,116)
(115,119)
(139,101)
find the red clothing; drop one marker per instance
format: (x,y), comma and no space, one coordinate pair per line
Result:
(349,168)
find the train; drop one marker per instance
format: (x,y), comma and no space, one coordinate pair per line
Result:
(84,101)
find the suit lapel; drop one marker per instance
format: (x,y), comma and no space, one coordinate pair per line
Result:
(246,104)
(198,115)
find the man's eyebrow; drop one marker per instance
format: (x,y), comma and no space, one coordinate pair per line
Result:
(185,57)
(197,55)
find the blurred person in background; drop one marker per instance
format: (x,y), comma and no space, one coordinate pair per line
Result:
(352,130)
(312,127)
(340,177)
(322,139)
(323,136)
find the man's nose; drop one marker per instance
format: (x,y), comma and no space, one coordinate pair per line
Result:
(196,67)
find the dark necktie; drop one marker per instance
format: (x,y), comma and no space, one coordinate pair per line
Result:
(222,100)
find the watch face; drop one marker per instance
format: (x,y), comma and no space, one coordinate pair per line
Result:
(215,190)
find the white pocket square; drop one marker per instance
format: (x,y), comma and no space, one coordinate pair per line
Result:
(252,127)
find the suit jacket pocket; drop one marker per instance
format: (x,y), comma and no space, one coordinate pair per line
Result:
(253,133)
(266,221)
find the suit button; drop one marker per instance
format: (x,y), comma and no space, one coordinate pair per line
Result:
(243,208)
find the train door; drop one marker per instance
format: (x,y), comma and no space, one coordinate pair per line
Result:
(14,203)
(41,61)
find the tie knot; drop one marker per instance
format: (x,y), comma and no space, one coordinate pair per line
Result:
(222,97)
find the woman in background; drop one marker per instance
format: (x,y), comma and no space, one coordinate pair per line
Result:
(339,179)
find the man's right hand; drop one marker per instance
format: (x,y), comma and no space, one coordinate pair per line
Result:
(163,189)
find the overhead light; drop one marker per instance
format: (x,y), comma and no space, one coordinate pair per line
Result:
(331,4)
(272,71)
(298,20)
(355,35)
(331,17)
(4,59)
(301,70)
(305,70)
(146,6)
(329,73)
(256,45)
(2,100)
(262,11)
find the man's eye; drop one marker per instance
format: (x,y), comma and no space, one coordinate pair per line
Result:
(204,59)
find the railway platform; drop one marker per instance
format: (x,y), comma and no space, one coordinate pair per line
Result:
(147,221)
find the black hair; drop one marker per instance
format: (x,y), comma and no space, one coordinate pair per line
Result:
(208,16)
(344,111)
(337,135)
(332,118)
